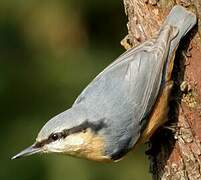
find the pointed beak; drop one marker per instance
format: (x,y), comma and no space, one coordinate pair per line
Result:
(28,151)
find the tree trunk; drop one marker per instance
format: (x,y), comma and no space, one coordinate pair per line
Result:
(175,153)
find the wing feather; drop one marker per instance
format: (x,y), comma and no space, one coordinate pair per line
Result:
(125,92)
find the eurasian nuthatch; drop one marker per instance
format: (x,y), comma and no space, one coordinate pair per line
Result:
(124,104)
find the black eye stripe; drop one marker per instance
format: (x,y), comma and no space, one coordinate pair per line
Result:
(53,137)
(95,127)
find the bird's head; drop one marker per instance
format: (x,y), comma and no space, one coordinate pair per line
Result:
(70,133)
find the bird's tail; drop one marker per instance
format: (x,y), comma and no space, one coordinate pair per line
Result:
(181,20)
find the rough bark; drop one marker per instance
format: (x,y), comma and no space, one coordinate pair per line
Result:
(175,152)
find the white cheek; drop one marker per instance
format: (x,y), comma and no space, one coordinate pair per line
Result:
(74,140)
(65,144)
(56,146)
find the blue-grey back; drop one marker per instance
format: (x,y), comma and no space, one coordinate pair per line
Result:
(124,93)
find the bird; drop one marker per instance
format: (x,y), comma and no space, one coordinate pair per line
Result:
(124,104)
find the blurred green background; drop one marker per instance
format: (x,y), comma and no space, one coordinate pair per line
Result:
(50,50)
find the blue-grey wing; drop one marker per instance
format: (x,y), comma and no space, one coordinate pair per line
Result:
(124,94)
(133,80)
(122,60)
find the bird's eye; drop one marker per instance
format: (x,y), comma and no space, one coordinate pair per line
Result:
(84,130)
(54,137)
